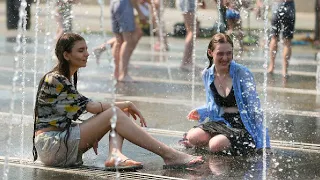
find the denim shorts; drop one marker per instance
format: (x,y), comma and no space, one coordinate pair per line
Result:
(283,16)
(186,6)
(122,16)
(53,151)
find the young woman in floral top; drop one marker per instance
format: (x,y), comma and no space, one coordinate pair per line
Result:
(60,142)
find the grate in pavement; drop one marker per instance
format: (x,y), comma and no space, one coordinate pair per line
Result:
(87,171)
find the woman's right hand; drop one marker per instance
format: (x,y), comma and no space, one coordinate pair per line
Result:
(193,115)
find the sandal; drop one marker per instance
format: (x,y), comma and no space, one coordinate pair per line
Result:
(124,165)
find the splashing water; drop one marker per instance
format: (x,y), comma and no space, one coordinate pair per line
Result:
(23,17)
(48,35)
(114,117)
(36,41)
(160,26)
(266,58)
(194,37)
(219,15)
(20,36)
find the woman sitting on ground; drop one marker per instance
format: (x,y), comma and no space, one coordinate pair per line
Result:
(60,142)
(232,119)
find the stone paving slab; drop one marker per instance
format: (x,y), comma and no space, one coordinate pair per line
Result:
(292,106)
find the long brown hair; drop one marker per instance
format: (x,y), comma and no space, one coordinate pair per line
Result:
(64,44)
(217,39)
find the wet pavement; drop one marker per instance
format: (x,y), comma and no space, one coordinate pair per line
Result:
(164,94)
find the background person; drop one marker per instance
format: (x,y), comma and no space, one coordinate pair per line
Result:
(187,7)
(283,18)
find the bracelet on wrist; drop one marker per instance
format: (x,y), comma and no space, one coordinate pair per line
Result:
(101,107)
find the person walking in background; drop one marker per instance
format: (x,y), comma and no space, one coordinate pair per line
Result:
(59,141)
(188,11)
(231,121)
(123,27)
(283,17)
(158,14)
(316,42)
(234,21)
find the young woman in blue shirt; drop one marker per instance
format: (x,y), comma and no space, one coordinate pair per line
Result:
(231,121)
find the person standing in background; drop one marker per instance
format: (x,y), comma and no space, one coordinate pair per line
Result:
(316,42)
(283,17)
(187,8)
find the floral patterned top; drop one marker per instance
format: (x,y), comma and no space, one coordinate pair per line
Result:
(59,102)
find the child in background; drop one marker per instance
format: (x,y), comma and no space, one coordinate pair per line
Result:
(234,22)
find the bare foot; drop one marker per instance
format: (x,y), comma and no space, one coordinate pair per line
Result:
(157,45)
(183,160)
(127,78)
(121,162)
(270,69)
(97,53)
(285,73)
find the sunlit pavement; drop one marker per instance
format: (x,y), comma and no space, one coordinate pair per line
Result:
(165,94)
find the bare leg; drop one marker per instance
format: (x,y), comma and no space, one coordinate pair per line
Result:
(164,33)
(116,54)
(186,64)
(126,50)
(188,48)
(115,148)
(219,143)
(273,53)
(198,137)
(286,56)
(95,128)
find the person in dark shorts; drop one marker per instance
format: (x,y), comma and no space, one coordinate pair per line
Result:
(316,42)
(283,18)
(231,121)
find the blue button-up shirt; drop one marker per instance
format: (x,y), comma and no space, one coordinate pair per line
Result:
(248,103)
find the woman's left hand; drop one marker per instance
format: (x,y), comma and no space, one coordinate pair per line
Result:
(133,110)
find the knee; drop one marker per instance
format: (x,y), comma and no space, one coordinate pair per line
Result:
(118,42)
(219,145)
(197,140)
(130,42)
(119,114)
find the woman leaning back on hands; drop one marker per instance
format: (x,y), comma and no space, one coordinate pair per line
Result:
(58,141)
